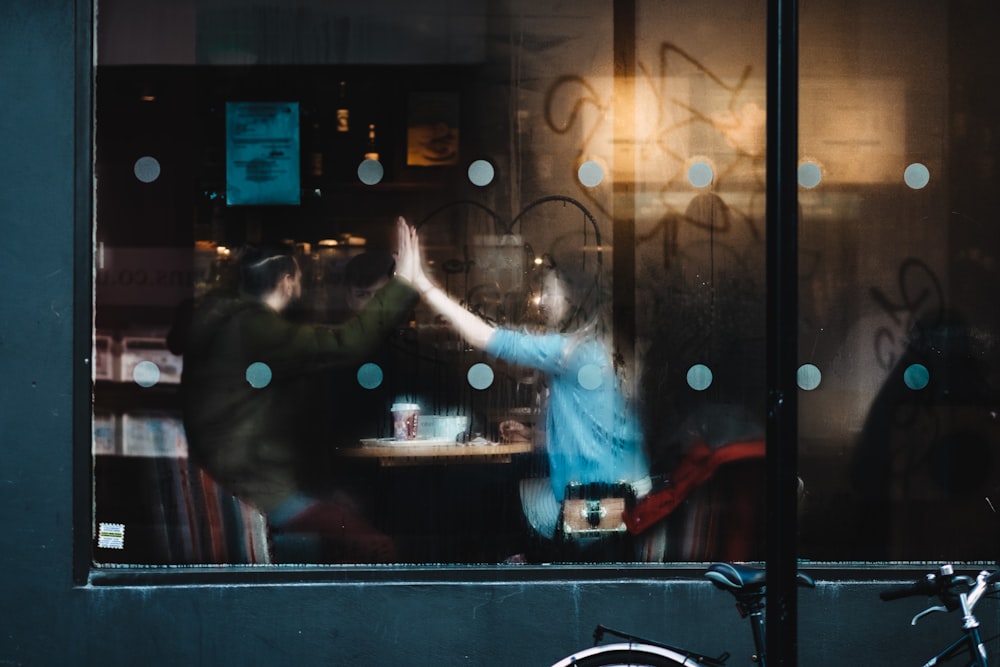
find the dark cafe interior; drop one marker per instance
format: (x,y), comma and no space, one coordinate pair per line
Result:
(502,144)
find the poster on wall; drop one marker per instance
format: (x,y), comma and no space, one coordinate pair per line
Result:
(262,153)
(432,129)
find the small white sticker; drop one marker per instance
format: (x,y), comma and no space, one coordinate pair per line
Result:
(111,536)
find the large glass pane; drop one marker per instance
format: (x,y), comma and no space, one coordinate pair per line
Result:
(617,146)
(898,345)
(699,203)
(602,162)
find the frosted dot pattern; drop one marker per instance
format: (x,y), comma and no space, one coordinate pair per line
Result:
(370,172)
(481,173)
(370,376)
(146,169)
(699,377)
(258,375)
(590,173)
(480,376)
(700,174)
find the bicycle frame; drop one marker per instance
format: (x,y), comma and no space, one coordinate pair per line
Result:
(744,583)
(971,640)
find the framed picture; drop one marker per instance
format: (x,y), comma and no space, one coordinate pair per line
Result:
(432,133)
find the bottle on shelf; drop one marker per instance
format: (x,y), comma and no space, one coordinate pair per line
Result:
(371,149)
(316,150)
(343,110)
(312,151)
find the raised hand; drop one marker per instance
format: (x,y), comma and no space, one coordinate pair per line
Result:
(407,253)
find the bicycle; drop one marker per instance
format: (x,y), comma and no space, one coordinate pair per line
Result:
(747,584)
(955,593)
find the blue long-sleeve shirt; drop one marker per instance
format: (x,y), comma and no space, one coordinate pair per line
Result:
(591,435)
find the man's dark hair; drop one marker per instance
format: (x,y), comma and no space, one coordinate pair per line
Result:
(368,268)
(261,268)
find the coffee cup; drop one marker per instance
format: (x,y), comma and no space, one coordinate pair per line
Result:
(405,420)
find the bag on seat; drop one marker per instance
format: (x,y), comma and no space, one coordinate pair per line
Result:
(595,510)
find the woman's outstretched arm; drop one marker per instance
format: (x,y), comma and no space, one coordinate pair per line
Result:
(473,329)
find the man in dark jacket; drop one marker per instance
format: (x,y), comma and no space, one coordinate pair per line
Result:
(245,386)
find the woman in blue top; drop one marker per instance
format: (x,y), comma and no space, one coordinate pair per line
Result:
(591,433)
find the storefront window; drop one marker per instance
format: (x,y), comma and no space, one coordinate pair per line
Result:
(587,186)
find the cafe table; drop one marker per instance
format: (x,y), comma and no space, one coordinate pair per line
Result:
(427,451)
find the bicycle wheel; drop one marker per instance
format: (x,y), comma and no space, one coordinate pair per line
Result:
(627,655)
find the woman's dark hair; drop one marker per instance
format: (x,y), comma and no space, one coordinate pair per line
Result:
(262,267)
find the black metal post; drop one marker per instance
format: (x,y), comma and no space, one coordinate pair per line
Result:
(623,233)
(782,333)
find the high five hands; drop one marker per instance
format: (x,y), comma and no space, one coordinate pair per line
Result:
(410,269)
(409,262)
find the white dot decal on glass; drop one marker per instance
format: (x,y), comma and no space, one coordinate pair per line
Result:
(370,375)
(480,376)
(808,377)
(146,169)
(809,174)
(699,377)
(916,176)
(700,174)
(590,377)
(258,375)
(916,376)
(370,172)
(481,173)
(590,174)
(146,373)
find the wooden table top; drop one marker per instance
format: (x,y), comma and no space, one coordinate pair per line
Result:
(430,451)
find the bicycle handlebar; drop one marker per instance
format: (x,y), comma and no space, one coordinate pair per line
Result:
(927,586)
(948,587)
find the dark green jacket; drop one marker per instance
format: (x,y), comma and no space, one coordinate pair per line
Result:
(248,382)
